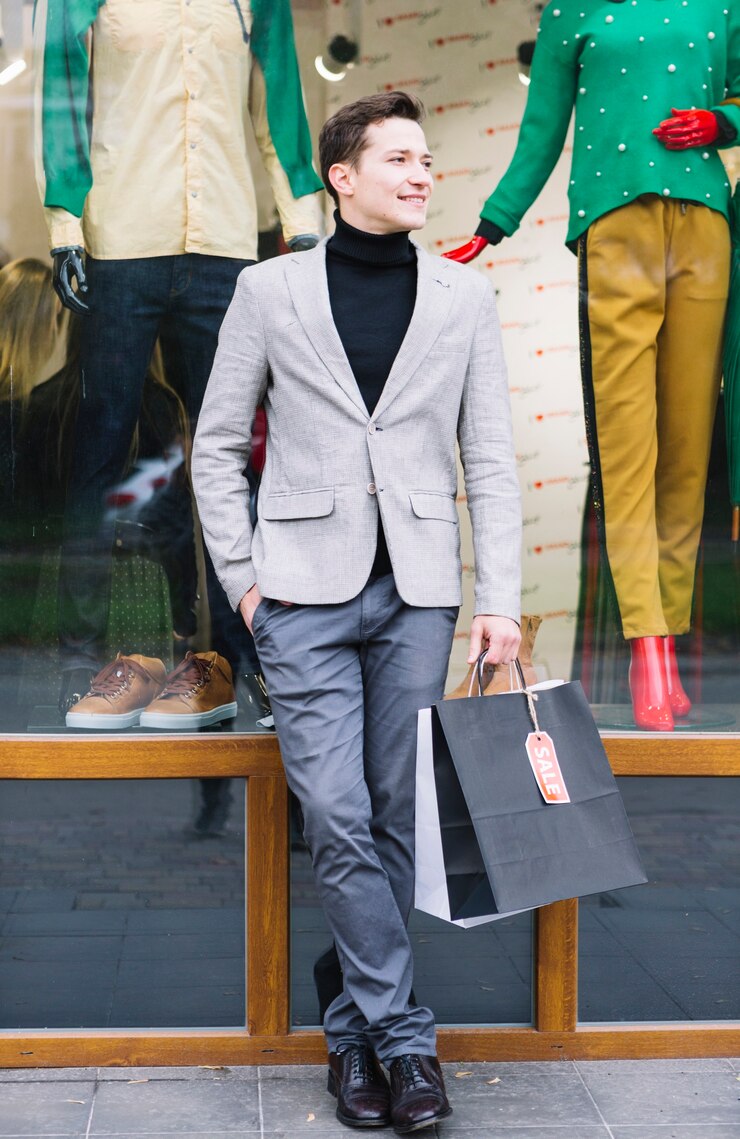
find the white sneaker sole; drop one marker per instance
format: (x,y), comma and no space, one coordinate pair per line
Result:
(103,720)
(188,721)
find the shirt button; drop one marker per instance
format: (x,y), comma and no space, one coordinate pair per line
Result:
(371,488)
(190,50)
(371,428)
(193,145)
(194,194)
(192,94)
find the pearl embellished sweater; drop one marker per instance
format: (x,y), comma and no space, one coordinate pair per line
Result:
(623,66)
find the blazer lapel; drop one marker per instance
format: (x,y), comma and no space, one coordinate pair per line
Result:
(435,287)
(309,290)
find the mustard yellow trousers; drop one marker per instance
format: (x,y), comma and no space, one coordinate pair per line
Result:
(654,277)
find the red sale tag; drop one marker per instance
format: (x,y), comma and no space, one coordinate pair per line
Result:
(544,763)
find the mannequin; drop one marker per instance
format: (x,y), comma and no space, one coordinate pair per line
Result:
(150,206)
(656,89)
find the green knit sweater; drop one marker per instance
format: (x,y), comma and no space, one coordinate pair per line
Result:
(623,66)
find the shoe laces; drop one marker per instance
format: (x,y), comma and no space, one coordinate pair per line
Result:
(192,673)
(359,1058)
(409,1071)
(115,677)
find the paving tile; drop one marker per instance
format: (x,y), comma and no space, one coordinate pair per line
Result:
(315,1072)
(215,1073)
(707,988)
(167,1106)
(62,948)
(213,921)
(181,946)
(529,1095)
(649,1097)
(449,1130)
(291,1106)
(79,922)
(678,1131)
(39,1007)
(218,1006)
(45,1108)
(653,1067)
(734,1062)
(619,989)
(45,1075)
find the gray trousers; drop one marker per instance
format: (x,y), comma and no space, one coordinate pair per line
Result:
(345,683)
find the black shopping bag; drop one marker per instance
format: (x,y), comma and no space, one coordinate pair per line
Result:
(498,832)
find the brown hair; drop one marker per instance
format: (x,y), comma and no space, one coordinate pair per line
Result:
(342,137)
(31,320)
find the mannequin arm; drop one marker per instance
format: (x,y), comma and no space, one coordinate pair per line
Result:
(69,266)
(299,217)
(467,252)
(486,234)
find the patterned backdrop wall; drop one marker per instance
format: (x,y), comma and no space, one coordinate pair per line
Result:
(461,60)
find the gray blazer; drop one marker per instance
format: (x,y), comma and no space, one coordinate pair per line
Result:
(330,466)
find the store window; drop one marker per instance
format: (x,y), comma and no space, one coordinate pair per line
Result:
(101,550)
(122,903)
(669,950)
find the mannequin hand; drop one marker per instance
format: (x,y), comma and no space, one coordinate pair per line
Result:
(68,266)
(302,242)
(467,252)
(501,634)
(687,129)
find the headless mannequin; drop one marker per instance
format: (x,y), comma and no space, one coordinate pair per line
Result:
(670,172)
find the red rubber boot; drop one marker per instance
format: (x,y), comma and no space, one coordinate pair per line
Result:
(649,685)
(680,703)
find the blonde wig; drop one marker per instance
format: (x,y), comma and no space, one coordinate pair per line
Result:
(31,321)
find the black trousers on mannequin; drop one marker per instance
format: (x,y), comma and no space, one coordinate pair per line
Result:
(182,301)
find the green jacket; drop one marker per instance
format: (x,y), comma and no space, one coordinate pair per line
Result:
(65,128)
(623,67)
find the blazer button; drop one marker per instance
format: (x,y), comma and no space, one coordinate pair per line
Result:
(371,428)
(371,488)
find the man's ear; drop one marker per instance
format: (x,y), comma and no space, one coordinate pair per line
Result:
(341,176)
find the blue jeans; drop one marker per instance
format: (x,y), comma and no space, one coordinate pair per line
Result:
(182,301)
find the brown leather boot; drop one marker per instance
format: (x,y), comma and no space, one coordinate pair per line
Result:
(499,677)
(357,1080)
(418,1097)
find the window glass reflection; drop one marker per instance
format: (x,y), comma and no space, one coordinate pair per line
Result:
(122,903)
(669,950)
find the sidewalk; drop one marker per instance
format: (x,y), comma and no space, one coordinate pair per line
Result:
(653,1099)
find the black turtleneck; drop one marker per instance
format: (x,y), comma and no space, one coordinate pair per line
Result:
(372,290)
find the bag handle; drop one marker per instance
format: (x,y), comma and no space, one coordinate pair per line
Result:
(531,696)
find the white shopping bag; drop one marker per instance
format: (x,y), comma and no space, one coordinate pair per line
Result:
(431,880)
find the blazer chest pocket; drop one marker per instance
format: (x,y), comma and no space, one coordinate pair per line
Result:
(297,504)
(434,504)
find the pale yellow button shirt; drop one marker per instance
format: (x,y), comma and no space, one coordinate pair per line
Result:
(173,84)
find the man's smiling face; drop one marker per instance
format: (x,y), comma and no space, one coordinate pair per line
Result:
(388,190)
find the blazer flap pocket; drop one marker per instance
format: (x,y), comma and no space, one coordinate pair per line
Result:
(297,504)
(433,504)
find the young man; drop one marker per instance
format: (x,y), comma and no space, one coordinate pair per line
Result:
(371,358)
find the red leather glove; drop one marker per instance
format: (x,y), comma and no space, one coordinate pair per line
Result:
(467,252)
(687,129)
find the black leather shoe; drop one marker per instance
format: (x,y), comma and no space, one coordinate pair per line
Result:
(418,1097)
(357,1080)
